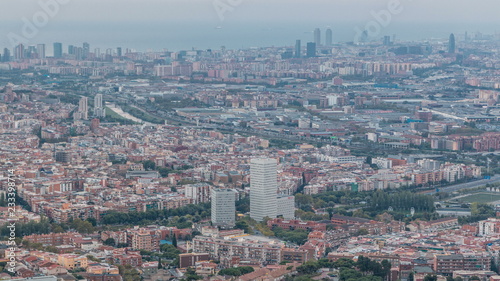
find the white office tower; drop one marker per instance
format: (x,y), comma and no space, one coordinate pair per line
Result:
(286,206)
(99,110)
(40,49)
(223,207)
(98,101)
(263,188)
(82,112)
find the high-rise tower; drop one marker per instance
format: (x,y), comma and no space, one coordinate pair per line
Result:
(83,108)
(317,37)
(451,44)
(297,48)
(311,50)
(99,110)
(263,188)
(329,38)
(58,50)
(223,206)
(40,49)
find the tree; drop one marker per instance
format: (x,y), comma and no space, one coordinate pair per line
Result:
(169,251)
(149,165)
(236,271)
(348,274)
(430,277)
(92,221)
(110,242)
(159,263)
(241,224)
(344,263)
(174,241)
(57,229)
(309,267)
(330,213)
(191,274)
(325,263)
(369,160)
(494,266)
(386,268)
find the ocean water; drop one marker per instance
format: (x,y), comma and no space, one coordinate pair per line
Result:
(185,35)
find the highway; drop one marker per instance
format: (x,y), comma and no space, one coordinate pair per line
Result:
(474,184)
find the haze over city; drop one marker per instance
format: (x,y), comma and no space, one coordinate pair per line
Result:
(206,24)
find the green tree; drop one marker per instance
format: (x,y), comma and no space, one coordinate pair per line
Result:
(174,241)
(92,221)
(348,274)
(330,213)
(169,251)
(430,277)
(241,224)
(149,165)
(110,242)
(236,271)
(344,263)
(191,275)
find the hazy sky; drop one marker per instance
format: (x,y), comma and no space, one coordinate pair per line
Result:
(485,11)
(176,24)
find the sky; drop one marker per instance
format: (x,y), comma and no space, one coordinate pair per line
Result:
(268,10)
(105,21)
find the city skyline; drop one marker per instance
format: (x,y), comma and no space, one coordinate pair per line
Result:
(58,49)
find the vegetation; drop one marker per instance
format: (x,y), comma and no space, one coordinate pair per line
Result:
(479,211)
(363,269)
(191,275)
(140,218)
(401,201)
(236,271)
(243,205)
(297,236)
(149,165)
(169,104)
(129,273)
(112,116)
(480,198)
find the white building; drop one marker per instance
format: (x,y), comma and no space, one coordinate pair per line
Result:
(452,173)
(382,163)
(99,110)
(223,206)
(286,207)
(83,109)
(332,100)
(489,227)
(263,188)
(98,101)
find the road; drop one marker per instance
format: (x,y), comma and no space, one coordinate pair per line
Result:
(125,115)
(474,184)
